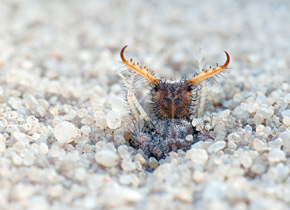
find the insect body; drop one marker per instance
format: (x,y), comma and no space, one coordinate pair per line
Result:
(172,104)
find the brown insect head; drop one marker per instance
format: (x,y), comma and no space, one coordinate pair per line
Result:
(172,100)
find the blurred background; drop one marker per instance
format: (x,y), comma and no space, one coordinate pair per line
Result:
(85,37)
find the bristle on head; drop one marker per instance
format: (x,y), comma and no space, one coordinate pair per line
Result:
(209,73)
(139,69)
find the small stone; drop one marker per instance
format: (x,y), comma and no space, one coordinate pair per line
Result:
(287,98)
(113,120)
(139,158)
(16,159)
(258,168)
(20,145)
(189,138)
(125,179)
(80,174)
(198,176)
(65,132)
(258,144)
(55,191)
(232,145)
(225,114)
(278,173)
(22,191)
(285,136)
(152,162)
(82,113)
(276,144)
(286,113)
(220,126)
(258,119)
(183,195)
(260,128)
(100,120)
(18,135)
(246,161)
(214,190)
(86,130)
(276,155)
(119,140)
(197,155)
(88,120)
(43,148)
(28,158)
(219,145)
(2,146)
(251,108)
(234,137)
(107,158)
(128,165)
(124,152)
(286,120)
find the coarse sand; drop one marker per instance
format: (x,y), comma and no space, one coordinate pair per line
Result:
(65,124)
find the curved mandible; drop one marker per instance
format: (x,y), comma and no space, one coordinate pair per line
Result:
(139,69)
(209,73)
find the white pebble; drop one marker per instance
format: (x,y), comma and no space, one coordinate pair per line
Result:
(276,155)
(88,120)
(113,120)
(287,98)
(246,161)
(140,159)
(232,145)
(80,174)
(251,108)
(107,158)
(220,126)
(214,190)
(124,152)
(55,191)
(18,135)
(198,176)
(258,144)
(286,113)
(152,163)
(285,136)
(278,173)
(189,138)
(260,128)
(16,159)
(216,146)
(128,165)
(125,179)
(286,120)
(22,191)
(225,114)
(258,168)
(28,158)
(100,121)
(20,145)
(65,132)
(234,137)
(82,113)
(43,148)
(258,119)
(119,140)
(276,144)
(197,155)
(86,129)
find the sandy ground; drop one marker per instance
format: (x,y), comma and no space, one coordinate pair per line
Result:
(64,123)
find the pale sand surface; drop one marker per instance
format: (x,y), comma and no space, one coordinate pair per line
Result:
(64,122)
